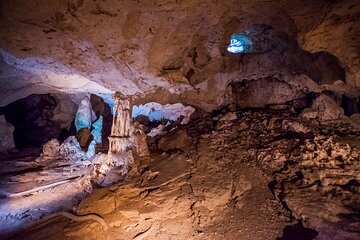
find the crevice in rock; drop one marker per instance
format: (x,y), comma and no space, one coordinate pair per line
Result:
(298,232)
(351,105)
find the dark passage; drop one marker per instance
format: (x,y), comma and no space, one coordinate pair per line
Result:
(298,232)
(32,118)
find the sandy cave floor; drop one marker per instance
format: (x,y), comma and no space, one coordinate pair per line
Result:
(235,177)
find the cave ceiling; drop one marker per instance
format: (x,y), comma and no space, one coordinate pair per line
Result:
(166,51)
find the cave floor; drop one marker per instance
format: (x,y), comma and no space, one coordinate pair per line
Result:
(31,189)
(244,175)
(180,197)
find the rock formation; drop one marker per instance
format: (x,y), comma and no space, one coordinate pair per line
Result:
(51,148)
(83,117)
(121,126)
(72,151)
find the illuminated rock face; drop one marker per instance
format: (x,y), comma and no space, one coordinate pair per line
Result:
(257,38)
(102,110)
(240,43)
(83,114)
(97,130)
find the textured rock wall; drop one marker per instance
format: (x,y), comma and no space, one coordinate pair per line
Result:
(338,33)
(170,51)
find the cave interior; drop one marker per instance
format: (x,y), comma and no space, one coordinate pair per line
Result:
(180,119)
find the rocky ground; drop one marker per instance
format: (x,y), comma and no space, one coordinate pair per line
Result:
(231,175)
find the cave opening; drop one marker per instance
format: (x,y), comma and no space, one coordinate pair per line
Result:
(157,117)
(35,121)
(239,44)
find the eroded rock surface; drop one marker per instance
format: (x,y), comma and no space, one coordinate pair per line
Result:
(137,47)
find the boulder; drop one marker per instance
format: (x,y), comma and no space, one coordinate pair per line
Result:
(230,116)
(323,108)
(84,138)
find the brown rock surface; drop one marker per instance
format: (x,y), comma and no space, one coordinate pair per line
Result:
(324,108)
(84,138)
(175,140)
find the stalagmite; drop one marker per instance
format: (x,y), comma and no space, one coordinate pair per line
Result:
(121,127)
(114,165)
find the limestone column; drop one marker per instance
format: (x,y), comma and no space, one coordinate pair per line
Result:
(120,130)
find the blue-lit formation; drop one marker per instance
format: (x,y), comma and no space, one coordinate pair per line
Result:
(140,110)
(240,43)
(97,128)
(155,112)
(83,115)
